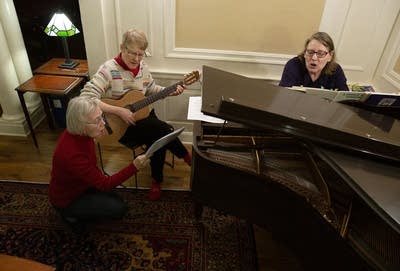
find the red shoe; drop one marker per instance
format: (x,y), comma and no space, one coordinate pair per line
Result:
(155,191)
(188,159)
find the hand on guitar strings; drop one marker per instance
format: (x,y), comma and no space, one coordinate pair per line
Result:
(178,91)
(127,116)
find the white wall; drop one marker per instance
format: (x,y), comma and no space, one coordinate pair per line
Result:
(360,28)
(365,32)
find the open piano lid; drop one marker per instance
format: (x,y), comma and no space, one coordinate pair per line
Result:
(257,103)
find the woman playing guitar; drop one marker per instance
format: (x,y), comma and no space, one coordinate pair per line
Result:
(128,75)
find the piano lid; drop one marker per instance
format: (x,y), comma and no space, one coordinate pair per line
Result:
(257,103)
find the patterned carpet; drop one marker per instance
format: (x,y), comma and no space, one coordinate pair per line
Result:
(162,235)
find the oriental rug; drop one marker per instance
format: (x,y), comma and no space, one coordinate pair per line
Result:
(160,235)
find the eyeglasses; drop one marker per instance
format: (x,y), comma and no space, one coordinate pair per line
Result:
(320,54)
(99,120)
(134,54)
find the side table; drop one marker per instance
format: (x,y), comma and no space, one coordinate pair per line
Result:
(51,67)
(46,86)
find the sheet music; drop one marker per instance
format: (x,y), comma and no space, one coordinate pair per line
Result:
(163,141)
(194,111)
(367,97)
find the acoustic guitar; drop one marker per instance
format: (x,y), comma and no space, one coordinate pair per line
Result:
(136,102)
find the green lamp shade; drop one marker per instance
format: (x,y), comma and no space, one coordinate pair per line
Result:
(60,26)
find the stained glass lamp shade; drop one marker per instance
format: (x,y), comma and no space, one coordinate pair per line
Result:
(61,26)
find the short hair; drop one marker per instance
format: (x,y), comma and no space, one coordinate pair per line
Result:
(77,113)
(327,41)
(135,37)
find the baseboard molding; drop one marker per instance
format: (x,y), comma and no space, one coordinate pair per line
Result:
(187,137)
(19,127)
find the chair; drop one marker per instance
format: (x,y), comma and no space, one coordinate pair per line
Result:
(142,148)
(135,148)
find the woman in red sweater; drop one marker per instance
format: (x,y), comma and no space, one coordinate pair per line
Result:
(78,188)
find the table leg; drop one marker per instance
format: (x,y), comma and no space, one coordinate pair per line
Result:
(46,107)
(27,117)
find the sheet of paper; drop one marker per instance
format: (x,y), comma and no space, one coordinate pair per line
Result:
(163,141)
(194,111)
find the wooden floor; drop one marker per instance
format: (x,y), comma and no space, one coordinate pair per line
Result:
(20,160)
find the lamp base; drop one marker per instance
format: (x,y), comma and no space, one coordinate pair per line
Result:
(68,65)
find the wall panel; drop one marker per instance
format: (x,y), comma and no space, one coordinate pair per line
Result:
(273,26)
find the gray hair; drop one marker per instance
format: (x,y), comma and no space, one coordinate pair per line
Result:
(77,113)
(135,37)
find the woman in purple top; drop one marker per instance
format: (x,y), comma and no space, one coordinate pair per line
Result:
(316,66)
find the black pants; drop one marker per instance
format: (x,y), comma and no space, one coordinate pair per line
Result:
(146,132)
(95,205)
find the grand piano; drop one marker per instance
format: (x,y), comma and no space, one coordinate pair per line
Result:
(322,177)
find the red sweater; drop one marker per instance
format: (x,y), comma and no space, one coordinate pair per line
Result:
(75,170)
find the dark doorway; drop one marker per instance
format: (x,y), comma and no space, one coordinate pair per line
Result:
(33,19)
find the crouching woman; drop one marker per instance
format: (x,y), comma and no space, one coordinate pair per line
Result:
(78,189)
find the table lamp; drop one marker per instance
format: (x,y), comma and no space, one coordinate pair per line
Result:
(61,26)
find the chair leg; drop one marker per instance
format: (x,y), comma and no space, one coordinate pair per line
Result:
(134,156)
(172,163)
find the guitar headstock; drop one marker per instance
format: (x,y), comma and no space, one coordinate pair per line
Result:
(192,77)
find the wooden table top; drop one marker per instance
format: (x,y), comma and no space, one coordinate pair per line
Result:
(51,67)
(50,84)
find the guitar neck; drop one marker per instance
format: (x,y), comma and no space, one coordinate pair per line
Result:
(153,98)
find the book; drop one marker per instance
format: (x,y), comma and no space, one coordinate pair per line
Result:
(382,99)
(163,141)
(357,87)
(369,98)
